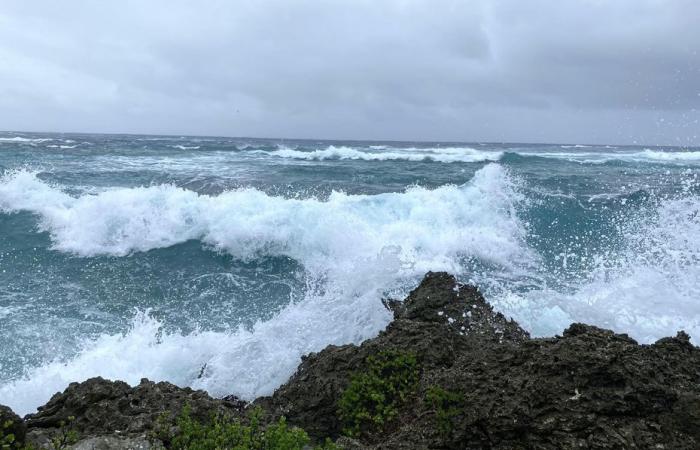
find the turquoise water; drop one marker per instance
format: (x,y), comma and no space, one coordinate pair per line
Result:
(167,257)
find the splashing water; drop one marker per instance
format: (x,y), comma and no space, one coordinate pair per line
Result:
(132,257)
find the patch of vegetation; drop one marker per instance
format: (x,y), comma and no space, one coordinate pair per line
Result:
(447,405)
(375,395)
(66,435)
(224,432)
(7,439)
(62,439)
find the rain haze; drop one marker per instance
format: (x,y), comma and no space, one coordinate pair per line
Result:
(539,71)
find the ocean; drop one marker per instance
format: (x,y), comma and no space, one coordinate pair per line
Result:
(217,263)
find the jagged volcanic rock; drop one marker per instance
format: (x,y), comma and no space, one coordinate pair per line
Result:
(589,388)
(103,407)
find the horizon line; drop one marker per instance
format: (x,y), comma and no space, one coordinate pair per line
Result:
(402,141)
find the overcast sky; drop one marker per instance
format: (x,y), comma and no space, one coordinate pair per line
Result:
(605,71)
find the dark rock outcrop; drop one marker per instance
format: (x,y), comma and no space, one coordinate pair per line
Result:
(438,321)
(589,388)
(100,407)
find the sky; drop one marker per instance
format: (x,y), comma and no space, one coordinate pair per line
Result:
(576,71)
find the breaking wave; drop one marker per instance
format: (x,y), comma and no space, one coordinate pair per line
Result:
(382,153)
(354,248)
(669,156)
(477,219)
(602,157)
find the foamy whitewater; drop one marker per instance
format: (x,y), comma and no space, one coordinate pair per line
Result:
(217,263)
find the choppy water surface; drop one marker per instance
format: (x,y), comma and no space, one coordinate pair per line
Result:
(142,256)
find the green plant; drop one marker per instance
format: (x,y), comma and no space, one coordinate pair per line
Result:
(8,441)
(225,432)
(66,435)
(373,397)
(328,445)
(447,406)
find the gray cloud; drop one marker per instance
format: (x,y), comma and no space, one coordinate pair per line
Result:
(566,71)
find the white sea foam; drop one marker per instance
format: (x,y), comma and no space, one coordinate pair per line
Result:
(356,246)
(472,219)
(219,163)
(17,139)
(359,246)
(5,311)
(382,153)
(648,290)
(185,147)
(647,155)
(668,156)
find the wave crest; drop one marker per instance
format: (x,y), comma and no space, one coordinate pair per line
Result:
(382,153)
(426,227)
(354,248)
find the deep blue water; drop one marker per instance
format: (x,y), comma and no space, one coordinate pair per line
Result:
(133,256)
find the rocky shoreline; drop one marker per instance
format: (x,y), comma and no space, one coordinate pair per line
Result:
(448,372)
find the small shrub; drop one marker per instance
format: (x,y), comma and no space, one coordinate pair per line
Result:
(224,432)
(66,435)
(447,406)
(8,440)
(374,397)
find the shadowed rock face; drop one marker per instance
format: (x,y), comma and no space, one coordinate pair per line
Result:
(589,388)
(438,321)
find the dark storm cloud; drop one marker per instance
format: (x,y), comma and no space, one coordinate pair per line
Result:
(576,71)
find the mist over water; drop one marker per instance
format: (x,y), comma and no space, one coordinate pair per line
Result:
(167,257)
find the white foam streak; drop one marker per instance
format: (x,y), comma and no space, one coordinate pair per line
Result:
(669,156)
(644,156)
(381,153)
(19,139)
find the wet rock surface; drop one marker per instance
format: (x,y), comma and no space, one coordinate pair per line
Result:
(589,388)
(98,407)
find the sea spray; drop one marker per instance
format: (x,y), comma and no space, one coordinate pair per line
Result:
(649,288)
(353,247)
(240,255)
